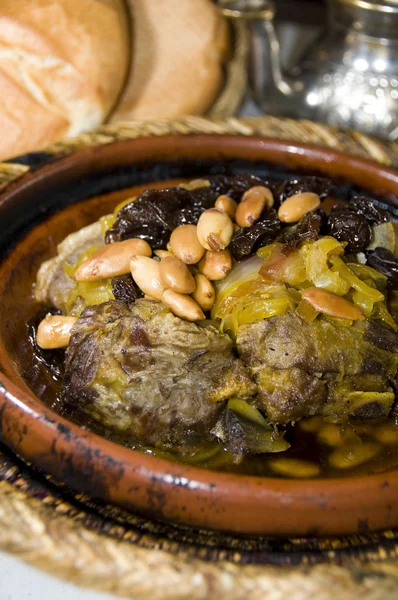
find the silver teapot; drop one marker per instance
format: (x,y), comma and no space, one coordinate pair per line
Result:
(349,77)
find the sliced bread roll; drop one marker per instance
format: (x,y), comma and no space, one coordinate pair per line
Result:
(62,67)
(178,47)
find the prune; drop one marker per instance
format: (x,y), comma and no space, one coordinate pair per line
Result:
(318,185)
(249,239)
(368,209)
(154,214)
(306,230)
(125,290)
(385,262)
(348,226)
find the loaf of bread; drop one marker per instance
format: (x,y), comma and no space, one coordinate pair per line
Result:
(178,48)
(62,67)
(64,64)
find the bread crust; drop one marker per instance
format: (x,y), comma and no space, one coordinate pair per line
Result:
(178,50)
(62,66)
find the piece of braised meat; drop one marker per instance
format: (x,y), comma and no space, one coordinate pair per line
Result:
(303,369)
(53,285)
(143,370)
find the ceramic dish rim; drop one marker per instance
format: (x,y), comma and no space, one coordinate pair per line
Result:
(188,478)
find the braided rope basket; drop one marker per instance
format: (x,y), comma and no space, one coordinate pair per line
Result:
(108,549)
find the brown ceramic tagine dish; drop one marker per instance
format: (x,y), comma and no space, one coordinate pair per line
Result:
(38,211)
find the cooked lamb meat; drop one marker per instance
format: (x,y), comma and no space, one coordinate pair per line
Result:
(303,368)
(143,370)
(53,284)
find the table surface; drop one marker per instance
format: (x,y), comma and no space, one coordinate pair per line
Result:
(19,581)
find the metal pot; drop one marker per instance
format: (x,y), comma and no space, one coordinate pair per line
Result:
(349,77)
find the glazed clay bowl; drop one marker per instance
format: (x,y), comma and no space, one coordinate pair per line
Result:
(103,469)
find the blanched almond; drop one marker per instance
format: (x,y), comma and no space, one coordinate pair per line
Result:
(54,331)
(112,260)
(295,207)
(353,454)
(174,274)
(332,305)
(162,253)
(195,184)
(182,306)
(294,467)
(253,202)
(216,265)
(387,433)
(146,274)
(227,205)
(185,245)
(204,294)
(214,229)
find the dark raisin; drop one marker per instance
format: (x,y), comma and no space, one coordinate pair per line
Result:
(385,262)
(365,207)
(306,230)
(348,226)
(249,239)
(125,290)
(154,215)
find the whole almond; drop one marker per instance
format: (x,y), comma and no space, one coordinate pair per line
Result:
(146,274)
(214,229)
(112,260)
(294,208)
(162,253)
(253,202)
(185,245)
(175,274)
(204,293)
(54,331)
(183,306)
(216,265)
(227,205)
